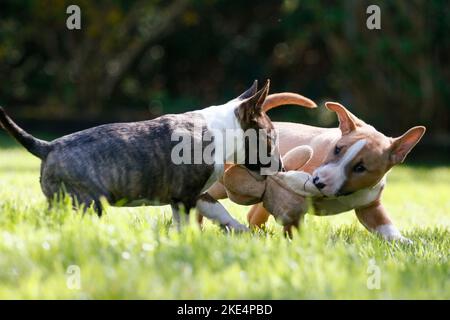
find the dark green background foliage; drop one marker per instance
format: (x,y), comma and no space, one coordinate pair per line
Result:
(135,60)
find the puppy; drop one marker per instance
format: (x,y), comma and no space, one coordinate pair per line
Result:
(349,166)
(133,163)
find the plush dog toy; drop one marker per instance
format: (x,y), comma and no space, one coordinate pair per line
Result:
(283,194)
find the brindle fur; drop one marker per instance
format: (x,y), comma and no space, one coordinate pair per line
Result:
(127,163)
(130,163)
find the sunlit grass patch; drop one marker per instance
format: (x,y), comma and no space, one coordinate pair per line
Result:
(136,253)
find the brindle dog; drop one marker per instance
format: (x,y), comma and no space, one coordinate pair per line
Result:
(130,163)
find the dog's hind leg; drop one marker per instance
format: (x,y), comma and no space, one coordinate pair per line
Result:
(258,215)
(212,209)
(85,201)
(79,197)
(180,214)
(98,208)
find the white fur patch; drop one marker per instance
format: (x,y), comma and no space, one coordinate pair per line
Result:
(363,197)
(219,119)
(389,232)
(216,212)
(333,174)
(358,199)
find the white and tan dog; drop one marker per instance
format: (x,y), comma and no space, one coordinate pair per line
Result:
(349,165)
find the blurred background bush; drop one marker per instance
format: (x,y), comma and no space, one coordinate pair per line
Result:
(134,60)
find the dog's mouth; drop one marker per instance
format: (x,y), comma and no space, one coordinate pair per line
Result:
(343,194)
(325,195)
(337,194)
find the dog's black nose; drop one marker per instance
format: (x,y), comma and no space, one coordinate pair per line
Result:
(318,184)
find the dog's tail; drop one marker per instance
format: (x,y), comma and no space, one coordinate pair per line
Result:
(39,148)
(278,99)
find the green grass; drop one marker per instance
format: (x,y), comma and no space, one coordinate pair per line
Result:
(134,253)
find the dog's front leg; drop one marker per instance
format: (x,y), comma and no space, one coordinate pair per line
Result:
(217,191)
(211,208)
(375,218)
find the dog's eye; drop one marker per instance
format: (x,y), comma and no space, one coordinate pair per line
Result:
(358,168)
(337,150)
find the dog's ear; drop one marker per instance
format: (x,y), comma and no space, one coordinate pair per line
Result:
(250,109)
(249,92)
(243,187)
(402,145)
(298,157)
(347,121)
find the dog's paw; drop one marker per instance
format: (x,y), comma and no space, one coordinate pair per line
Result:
(390,233)
(405,240)
(400,239)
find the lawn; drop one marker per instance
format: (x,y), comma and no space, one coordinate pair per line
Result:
(135,253)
